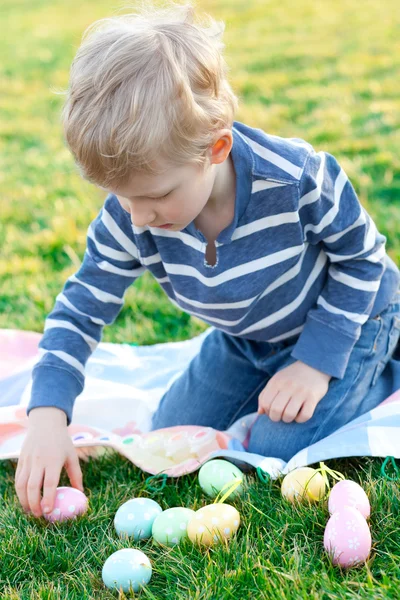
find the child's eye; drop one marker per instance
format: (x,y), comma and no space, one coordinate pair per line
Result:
(159,197)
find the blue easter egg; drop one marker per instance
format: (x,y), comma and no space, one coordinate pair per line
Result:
(125,568)
(135,518)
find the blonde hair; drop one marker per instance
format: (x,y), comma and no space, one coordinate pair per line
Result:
(145,86)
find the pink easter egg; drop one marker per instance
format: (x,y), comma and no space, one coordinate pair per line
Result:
(347,537)
(69,503)
(349,493)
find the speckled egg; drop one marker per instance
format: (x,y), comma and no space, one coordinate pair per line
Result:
(347,537)
(304,484)
(127,568)
(216,474)
(69,503)
(349,493)
(213,523)
(170,527)
(135,518)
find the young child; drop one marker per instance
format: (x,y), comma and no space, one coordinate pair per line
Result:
(260,236)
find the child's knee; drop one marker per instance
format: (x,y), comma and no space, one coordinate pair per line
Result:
(278,439)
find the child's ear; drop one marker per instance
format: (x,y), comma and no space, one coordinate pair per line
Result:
(218,146)
(221,148)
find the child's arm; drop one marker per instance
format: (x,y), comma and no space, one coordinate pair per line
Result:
(91,298)
(332,216)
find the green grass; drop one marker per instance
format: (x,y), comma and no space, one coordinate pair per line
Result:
(277,553)
(323,71)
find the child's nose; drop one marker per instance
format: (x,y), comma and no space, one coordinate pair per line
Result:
(142,216)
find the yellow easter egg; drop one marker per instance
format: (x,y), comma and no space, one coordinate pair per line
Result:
(304,484)
(213,524)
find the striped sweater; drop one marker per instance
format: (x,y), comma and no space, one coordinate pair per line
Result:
(302,259)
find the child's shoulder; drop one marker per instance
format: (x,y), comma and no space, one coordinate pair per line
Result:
(273,156)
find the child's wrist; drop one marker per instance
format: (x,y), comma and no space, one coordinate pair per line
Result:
(47,414)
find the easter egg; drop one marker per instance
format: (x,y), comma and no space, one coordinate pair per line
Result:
(170,526)
(127,568)
(213,523)
(217,474)
(304,484)
(68,504)
(135,518)
(347,537)
(349,493)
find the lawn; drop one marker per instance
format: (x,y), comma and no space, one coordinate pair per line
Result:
(323,71)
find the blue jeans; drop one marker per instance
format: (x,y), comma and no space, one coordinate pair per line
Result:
(223,381)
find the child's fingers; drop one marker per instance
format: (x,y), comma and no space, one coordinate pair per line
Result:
(34,489)
(84,453)
(266,397)
(292,409)
(21,480)
(73,469)
(51,479)
(279,404)
(306,412)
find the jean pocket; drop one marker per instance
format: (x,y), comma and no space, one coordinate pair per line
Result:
(393,339)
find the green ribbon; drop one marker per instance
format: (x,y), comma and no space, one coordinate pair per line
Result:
(263,476)
(162,477)
(395,467)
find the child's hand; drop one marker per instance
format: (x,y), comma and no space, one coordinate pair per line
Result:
(293,393)
(47,448)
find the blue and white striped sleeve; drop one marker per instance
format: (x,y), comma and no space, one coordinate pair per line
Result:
(332,216)
(91,298)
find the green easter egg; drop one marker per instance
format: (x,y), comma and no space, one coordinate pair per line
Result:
(216,474)
(170,526)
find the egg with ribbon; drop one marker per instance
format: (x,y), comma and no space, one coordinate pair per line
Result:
(303,484)
(216,476)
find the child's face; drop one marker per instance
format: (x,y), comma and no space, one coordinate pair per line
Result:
(175,198)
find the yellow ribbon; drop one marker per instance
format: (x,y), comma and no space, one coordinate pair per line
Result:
(324,470)
(232,487)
